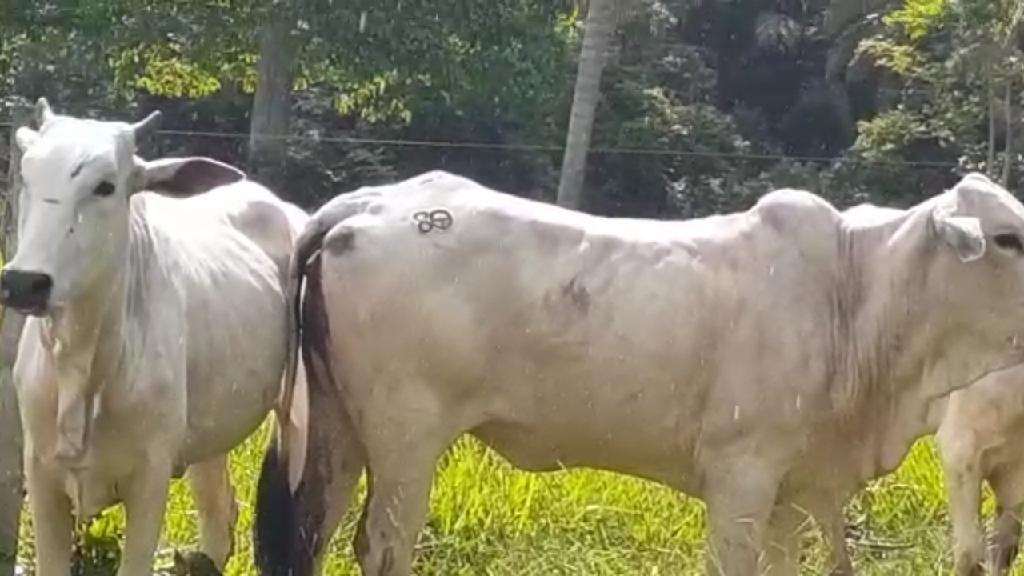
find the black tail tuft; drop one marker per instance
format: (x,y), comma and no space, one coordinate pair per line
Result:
(273,524)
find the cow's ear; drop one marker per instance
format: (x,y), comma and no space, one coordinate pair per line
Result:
(25,137)
(962,233)
(184,176)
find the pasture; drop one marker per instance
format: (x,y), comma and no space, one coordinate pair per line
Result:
(487,518)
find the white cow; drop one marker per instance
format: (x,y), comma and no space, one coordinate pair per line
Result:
(157,332)
(977,433)
(979,437)
(768,361)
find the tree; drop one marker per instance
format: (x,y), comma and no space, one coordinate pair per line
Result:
(271,109)
(597,39)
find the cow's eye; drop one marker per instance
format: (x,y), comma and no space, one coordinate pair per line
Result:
(103,189)
(1009,242)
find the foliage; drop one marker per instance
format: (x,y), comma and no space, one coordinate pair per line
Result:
(97,546)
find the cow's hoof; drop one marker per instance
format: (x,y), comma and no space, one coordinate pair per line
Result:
(1003,558)
(194,564)
(968,566)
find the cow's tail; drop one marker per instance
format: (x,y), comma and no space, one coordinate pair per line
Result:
(278,544)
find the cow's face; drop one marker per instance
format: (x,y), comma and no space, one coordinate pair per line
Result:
(980,273)
(77,178)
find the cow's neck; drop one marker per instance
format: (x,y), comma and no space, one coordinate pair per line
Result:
(87,343)
(909,353)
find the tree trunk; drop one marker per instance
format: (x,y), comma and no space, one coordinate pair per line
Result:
(268,132)
(593,55)
(11,485)
(990,167)
(1008,149)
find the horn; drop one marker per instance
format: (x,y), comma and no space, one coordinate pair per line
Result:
(147,125)
(43,112)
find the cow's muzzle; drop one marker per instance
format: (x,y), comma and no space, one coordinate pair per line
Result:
(26,292)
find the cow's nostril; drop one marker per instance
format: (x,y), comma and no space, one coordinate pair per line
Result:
(41,284)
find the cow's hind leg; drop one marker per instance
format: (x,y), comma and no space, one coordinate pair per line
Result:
(215,501)
(333,464)
(402,452)
(1008,485)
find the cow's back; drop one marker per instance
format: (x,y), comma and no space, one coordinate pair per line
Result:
(546,328)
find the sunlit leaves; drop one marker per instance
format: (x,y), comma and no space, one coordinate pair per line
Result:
(919,17)
(167,73)
(899,58)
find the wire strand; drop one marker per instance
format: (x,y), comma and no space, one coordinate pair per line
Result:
(392,142)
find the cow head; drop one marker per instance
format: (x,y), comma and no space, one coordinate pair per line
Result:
(977,275)
(77,177)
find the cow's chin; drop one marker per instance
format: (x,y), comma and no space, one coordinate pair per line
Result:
(35,309)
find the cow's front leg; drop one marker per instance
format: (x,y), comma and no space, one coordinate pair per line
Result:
(826,507)
(784,528)
(740,494)
(215,501)
(962,468)
(51,517)
(1008,485)
(145,501)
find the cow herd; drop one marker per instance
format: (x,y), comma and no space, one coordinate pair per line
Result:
(770,362)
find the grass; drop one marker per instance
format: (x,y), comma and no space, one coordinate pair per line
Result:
(488,519)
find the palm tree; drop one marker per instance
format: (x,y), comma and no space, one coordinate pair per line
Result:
(597,39)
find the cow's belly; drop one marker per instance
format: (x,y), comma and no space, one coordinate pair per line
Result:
(655,448)
(234,373)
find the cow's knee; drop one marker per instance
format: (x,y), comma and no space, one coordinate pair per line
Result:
(218,510)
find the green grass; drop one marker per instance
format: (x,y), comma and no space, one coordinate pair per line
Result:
(487,518)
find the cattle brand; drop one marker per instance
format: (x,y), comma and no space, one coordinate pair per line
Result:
(429,220)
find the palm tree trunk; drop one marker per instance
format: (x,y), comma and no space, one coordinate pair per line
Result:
(990,166)
(268,131)
(1008,149)
(593,55)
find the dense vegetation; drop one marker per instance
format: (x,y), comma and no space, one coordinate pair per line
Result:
(705,103)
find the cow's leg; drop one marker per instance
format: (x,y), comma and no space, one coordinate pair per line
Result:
(783,543)
(215,501)
(962,468)
(51,517)
(829,516)
(1008,485)
(335,461)
(145,500)
(292,530)
(402,452)
(740,496)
